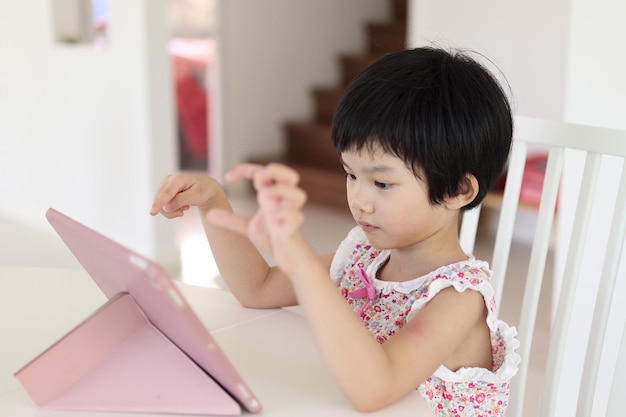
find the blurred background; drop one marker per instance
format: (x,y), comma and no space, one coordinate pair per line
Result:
(99,99)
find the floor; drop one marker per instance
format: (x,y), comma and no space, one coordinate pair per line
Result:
(324,228)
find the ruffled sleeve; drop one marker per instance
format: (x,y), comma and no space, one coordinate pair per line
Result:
(471,274)
(474,275)
(342,256)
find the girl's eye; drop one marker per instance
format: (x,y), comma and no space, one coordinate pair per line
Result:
(382,185)
(351,176)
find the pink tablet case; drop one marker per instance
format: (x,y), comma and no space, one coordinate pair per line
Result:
(145,350)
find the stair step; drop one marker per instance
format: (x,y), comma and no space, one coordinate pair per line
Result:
(310,144)
(386,37)
(352,65)
(399,10)
(326,100)
(322,186)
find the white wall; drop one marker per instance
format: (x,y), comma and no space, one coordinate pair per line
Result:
(565,60)
(87,131)
(526,41)
(273,52)
(595,95)
(90,131)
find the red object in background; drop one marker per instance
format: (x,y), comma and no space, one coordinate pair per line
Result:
(191,101)
(532,179)
(192,60)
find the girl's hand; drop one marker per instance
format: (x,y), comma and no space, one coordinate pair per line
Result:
(275,226)
(177,192)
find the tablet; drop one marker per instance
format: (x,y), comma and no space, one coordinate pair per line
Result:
(147,332)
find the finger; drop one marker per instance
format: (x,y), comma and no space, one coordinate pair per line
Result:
(175,213)
(281,174)
(274,174)
(169,187)
(283,222)
(263,175)
(283,196)
(290,221)
(242,171)
(175,195)
(157,203)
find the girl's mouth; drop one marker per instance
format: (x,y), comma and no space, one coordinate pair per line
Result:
(367,227)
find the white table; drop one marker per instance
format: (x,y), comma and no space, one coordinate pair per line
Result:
(272,349)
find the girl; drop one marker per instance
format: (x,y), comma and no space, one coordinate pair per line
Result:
(423,135)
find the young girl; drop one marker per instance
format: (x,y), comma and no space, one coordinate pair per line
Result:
(423,135)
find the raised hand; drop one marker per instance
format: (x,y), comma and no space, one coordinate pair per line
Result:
(275,226)
(177,192)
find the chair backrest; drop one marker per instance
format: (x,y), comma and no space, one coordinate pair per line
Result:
(617,399)
(597,144)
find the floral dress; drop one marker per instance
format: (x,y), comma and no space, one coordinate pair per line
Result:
(384,307)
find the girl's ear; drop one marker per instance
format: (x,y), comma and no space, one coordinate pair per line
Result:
(468,189)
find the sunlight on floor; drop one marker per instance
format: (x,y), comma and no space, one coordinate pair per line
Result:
(197,265)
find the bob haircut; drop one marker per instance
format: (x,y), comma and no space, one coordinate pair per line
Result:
(442,113)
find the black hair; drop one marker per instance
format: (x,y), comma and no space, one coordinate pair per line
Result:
(441,112)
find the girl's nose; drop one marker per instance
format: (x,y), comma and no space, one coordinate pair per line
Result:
(360,202)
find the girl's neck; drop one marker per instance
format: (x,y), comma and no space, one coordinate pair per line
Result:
(408,263)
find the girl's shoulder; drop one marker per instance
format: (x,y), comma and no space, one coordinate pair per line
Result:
(470,274)
(355,248)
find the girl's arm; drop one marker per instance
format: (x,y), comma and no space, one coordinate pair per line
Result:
(374,375)
(370,374)
(251,280)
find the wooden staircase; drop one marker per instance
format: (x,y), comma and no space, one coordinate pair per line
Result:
(309,149)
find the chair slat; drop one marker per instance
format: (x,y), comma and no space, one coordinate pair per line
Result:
(574,136)
(508,212)
(617,400)
(571,274)
(559,137)
(469,227)
(602,309)
(540,247)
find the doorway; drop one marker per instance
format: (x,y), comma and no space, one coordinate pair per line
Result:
(192,48)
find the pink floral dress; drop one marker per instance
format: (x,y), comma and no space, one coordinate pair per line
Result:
(390,305)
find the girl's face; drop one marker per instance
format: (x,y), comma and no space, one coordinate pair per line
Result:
(390,204)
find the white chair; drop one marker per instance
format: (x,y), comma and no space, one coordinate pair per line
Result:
(596,143)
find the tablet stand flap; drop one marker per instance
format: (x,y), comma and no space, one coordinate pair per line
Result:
(116,360)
